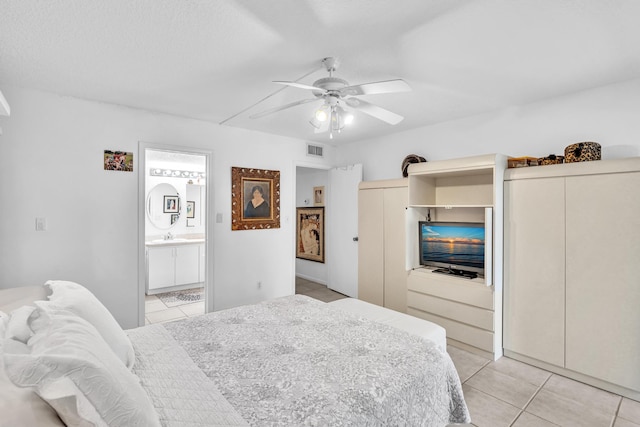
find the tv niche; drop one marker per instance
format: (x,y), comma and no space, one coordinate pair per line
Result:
(455,248)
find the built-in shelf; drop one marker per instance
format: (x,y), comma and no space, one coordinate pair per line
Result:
(459,190)
(450,206)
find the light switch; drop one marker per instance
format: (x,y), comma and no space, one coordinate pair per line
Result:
(41,224)
(219,217)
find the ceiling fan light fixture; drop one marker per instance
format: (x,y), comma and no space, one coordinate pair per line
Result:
(321,114)
(315,122)
(347,117)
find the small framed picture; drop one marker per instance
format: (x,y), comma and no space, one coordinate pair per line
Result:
(318,196)
(174,218)
(171,204)
(191,209)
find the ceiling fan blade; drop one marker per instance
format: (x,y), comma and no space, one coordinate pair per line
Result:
(375,111)
(282,107)
(300,85)
(387,86)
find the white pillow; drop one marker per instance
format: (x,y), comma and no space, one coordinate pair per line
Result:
(21,407)
(71,367)
(17,327)
(80,301)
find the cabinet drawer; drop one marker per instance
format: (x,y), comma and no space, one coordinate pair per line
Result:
(476,337)
(456,289)
(462,313)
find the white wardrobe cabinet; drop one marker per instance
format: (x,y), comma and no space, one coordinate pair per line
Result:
(572,271)
(382,276)
(534,280)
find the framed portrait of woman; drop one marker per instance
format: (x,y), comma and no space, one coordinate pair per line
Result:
(310,234)
(255,199)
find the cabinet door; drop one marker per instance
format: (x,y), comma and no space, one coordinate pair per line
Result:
(534,260)
(160,267)
(395,273)
(603,277)
(187,268)
(371,246)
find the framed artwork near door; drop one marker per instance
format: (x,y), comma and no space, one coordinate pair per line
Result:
(310,234)
(255,199)
(318,196)
(191,209)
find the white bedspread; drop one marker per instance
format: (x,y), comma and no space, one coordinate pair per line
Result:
(181,393)
(295,361)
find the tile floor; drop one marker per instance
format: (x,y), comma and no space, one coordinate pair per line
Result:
(511,393)
(316,290)
(499,393)
(155,311)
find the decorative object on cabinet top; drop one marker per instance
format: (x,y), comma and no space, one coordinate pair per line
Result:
(411,158)
(519,162)
(551,159)
(582,152)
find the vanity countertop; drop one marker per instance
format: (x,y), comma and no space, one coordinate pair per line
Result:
(173,242)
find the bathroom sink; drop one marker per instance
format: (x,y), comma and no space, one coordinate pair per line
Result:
(169,240)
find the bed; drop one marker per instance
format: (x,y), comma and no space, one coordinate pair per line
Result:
(292,361)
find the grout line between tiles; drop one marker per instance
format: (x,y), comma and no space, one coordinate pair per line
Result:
(533,396)
(615,415)
(476,372)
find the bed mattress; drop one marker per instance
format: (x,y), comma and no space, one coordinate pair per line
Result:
(411,324)
(295,361)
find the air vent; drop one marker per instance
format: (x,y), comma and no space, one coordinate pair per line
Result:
(314,150)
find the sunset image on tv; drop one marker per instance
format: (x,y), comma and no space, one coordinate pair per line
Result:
(460,245)
(446,234)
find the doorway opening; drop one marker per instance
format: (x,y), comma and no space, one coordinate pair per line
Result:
(175,233)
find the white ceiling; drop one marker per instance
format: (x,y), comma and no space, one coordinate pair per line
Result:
(212,60)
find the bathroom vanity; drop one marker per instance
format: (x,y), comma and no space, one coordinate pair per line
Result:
(174,264)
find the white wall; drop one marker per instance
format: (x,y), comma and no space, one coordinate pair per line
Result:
(306,180)
(52,151)
(608,115)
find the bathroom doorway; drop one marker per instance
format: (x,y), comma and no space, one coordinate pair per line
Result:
(175,261)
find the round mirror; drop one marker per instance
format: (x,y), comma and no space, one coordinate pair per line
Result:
(163,206)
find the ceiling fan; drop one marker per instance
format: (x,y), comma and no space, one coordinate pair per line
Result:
(336,94)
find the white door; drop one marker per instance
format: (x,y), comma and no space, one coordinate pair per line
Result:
(342,229)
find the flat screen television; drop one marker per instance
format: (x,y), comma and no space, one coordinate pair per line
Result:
(456,247)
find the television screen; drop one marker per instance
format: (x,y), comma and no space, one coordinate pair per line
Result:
(456,246)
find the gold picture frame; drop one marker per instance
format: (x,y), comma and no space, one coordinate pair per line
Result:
(255,199)
(310,234)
